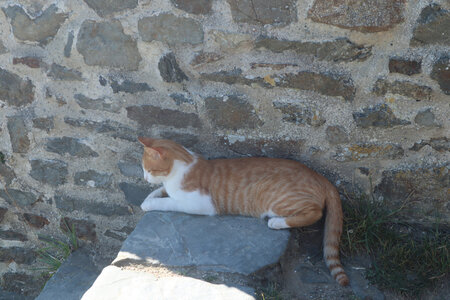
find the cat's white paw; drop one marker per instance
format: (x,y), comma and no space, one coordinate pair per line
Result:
(277,223)
(147,204)
(156,193)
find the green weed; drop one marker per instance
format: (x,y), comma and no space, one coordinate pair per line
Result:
(56,251)
(405,258)
(269,292)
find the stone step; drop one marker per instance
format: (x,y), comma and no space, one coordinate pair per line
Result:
(178,256)
(73,278)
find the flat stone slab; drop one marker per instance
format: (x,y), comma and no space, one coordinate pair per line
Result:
(117,283)
(231,244)
(73,279)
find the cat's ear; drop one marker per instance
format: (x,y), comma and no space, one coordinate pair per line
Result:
(147,142)
(155,153)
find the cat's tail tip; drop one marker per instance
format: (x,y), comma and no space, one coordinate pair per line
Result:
(336,270)
(342,279)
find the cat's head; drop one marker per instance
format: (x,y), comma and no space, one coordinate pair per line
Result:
(159,158)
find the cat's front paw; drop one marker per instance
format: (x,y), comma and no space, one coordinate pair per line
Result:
(147,205)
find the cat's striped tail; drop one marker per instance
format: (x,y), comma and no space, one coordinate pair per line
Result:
(332,236)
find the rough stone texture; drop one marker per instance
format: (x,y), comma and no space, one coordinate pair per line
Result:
(426,118)
(170,70)
(71,146)
(97,104)
(187,140)
(205,58)
(12,235)
(336,135)
(3,49)
(170,29)
(338,50)
(21,283)
(17,254)
(59,72)
(35,220)
(194,6)
(135,193)
(299,114)
(30,61)
(44,123)
(18,134)
(406,67)
(73,278)
(180,99)
(105,44)
(15,90)
(68,46)
(89,206)
(260,12)
(367,16)
(411,184)
(361,151)
(404,88)
(441,73)
(231,112)
(84,229)
(271,66)
(114,129)
(130,87)
(378,116)
(250,244)
(41,29)
(149,115)
(2,213)
(107,7)
(102,81)
(440,144)
(114,235)
(326,84)
(18,198)
(131,169)
(433,27)
(233,76)
(231,43)
(278,148)
(93,178)
(7,174)
(51,172)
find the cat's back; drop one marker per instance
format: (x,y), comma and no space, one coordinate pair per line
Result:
(263,165)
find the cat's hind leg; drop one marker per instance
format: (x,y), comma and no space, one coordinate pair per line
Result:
(309,214)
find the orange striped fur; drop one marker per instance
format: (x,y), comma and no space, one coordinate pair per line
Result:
(277,188)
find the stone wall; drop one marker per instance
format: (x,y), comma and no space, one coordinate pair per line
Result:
(358,90)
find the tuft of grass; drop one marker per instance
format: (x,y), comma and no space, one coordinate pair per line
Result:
(2,158)
(404,258)
(56,252)
(269,292)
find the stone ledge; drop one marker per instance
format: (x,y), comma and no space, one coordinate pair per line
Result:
(173,256)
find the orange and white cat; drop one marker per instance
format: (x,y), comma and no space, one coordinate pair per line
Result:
(287,192)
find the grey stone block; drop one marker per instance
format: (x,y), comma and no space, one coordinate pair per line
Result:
(73,279)
(105,44)
(233,244)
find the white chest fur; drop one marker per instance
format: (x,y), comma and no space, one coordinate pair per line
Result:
(180,200)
